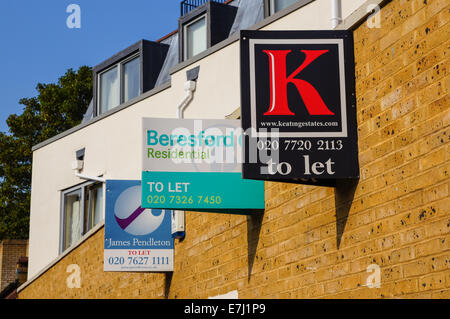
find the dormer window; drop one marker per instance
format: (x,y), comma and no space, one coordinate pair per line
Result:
(195,40)
(204,27)
(127,75)
(119,84)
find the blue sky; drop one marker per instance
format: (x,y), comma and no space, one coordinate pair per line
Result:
(38,47)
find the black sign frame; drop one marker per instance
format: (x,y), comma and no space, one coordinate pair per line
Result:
(298,106)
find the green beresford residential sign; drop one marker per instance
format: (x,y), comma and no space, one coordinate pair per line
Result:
(196,165)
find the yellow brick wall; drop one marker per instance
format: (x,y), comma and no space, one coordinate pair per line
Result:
(10,252)
(316,242)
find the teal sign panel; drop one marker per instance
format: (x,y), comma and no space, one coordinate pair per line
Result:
(201,191)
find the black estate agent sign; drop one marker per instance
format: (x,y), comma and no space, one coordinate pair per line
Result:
(298,106)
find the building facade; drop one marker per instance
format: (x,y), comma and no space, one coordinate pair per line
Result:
(384,236)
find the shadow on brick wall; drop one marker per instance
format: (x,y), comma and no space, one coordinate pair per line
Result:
(343,198)
(254,223)
(167,283)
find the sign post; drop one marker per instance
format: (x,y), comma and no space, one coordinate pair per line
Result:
(298,106)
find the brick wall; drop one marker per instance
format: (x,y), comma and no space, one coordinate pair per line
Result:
(316,242)
(10,252)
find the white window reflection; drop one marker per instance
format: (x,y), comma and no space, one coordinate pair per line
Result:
(109,89)
(195,37)
(131,79)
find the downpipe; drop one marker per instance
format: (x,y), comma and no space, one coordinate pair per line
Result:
(179,215)
(336,13)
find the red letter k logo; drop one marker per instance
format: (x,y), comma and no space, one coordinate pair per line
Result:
(279,82)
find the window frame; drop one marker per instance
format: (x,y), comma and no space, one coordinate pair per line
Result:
(63,214)
(185,35)
(91,205)
(120,66)
(82,188)
(99,87)
(122,76)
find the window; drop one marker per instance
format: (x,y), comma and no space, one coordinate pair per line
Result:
(82,209)
(127,74)
(278,5)
(119,84)
(131,80)
(195,37)
(204,27)
(109,89)
(93,212)
(72,218)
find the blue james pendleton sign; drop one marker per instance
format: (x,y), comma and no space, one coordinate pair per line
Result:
(136,238)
